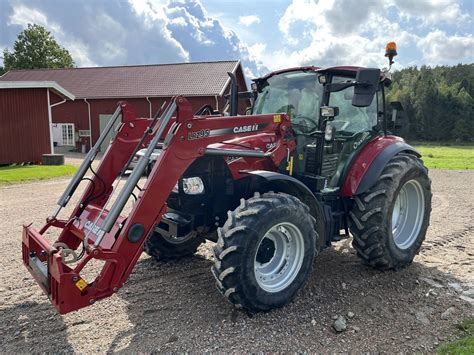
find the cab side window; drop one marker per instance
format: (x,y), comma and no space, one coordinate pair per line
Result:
(351,120)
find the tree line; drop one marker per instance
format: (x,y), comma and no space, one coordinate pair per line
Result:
(438,102)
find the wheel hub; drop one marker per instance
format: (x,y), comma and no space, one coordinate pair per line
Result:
(407,214)
(266,251)
(279,257)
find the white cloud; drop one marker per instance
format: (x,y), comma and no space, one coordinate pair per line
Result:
(256,50)
(23,16)
(336,32)
(432,11)
(249,20)
(207,39)
(318,32)
(438,47)
(299,11)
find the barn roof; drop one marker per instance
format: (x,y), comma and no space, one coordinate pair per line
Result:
(54,86)
(160,80)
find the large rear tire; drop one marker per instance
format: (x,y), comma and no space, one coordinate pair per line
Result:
(265,251)
(389,221)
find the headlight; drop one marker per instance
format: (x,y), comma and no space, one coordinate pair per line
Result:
(191,186)
(329,133)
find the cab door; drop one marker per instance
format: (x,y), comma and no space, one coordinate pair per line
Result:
(351,129)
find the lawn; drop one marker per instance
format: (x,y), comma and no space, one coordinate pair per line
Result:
(447,157)
(463,346)
(13,174)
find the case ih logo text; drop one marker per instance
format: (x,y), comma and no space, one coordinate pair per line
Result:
(244,129)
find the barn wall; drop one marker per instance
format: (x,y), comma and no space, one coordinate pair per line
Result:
(24,126)
(76,111)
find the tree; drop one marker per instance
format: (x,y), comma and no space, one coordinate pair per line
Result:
(35,48)
(2,71)
(439,101)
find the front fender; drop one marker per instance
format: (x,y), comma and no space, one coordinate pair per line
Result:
(370,162)
(273,181)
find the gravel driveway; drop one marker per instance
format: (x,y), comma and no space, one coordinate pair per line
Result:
(175,306)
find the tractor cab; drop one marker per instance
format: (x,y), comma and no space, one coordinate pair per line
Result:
(332,117)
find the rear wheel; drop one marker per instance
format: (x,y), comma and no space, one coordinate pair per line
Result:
(265,251)
(389,221)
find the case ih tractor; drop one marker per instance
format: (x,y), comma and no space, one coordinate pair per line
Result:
(311,162)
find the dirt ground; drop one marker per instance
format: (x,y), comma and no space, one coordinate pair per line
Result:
(175,306)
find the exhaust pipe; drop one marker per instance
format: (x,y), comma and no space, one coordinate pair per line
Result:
(234,95)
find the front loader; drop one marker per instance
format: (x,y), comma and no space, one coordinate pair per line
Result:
(312,163)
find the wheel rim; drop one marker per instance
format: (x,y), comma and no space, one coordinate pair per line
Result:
(407,214)
(279,257)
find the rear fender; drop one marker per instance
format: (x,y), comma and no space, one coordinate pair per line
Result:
(273,181)
(368,165)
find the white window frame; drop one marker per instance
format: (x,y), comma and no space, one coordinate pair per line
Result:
(70,136)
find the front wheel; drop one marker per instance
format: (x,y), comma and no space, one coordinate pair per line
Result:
(389,221)
(166,248)
(265,251)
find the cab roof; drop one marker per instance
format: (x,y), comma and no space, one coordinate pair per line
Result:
(338,70)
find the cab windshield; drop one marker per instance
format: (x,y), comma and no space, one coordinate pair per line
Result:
(296,93)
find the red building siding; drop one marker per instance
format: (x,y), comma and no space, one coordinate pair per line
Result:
(77,111)
(24,125)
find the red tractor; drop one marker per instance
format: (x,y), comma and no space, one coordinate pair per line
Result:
(312,162)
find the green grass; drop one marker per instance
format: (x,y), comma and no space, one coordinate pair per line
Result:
(447,157)
(13,174)
(463,346)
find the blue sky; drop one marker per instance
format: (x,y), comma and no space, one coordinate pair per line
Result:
(265,35)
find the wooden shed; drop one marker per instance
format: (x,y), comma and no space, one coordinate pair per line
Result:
(26,120)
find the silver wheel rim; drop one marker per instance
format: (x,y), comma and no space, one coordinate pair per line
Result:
(407,214)
(279,257)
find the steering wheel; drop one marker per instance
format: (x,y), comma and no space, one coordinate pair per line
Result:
(303,124)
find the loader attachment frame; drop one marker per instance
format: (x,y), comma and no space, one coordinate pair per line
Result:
(104,232)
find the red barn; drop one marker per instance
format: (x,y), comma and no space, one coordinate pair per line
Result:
(26,119)
(84,99)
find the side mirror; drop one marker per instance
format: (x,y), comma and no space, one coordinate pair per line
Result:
(367,81)
(398,120)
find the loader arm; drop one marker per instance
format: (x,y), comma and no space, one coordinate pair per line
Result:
(117,239)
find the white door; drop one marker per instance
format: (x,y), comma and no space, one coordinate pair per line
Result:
(67,134)
(63,134)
